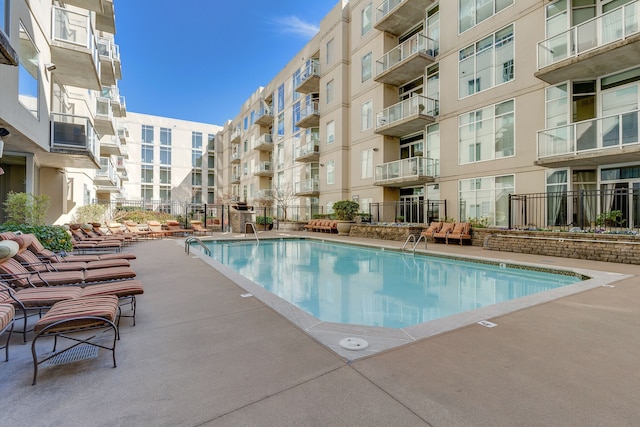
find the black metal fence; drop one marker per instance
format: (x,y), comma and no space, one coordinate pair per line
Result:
(589,210)
(411,211)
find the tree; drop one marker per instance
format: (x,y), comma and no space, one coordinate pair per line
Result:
(284,196)
(26,208)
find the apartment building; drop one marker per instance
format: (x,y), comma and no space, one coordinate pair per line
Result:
(466,101)
(170,160)
(59,103)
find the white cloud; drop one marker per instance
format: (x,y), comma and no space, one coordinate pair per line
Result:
(295,25)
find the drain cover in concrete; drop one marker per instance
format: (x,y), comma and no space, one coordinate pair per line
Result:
(354,344)
(81,352)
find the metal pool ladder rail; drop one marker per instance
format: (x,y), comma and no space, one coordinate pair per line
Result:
(187,245)
(250,227)
(412,237)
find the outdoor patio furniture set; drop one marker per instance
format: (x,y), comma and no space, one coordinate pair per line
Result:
(445,231)
(76,299)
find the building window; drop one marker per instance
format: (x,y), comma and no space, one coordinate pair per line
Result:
(246,123)
(146,192)
(147,134)
(366,19)
(487,133)
(146,174)
(196,149)
(367,115)
(211,162)
(211,180)
(486,198)
(367,164)
(165,137)
(281,125)
(147,153)
(196,177)
(330,47)
(165,175)
(330,132)
(281,98)
(165,193)
(245,169)
(331,172)
(330,93)
(366,67)
(4,16)
(472,12)
(295,80)
(211,142)
(211,197)
(295,116)
(165,155)
(487,63)
(28,72)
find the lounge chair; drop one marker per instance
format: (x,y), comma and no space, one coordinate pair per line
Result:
(198,228)
(433,228)
(174,228)
(94,315)
(443,232)
(43,253)
(140,230)
(7,313)
(461,232)
(155,229)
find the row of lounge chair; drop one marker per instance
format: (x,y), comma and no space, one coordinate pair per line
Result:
(445,231)
(76,298)
(322,225)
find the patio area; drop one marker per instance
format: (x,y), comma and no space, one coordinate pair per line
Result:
(201,354)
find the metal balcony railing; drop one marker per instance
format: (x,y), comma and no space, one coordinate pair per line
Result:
(386,7)
(617,24)
(264,167)
(415,44)
(407,168)
(305,150)
(611,132)
(310,69)
(308,186)
(73,133)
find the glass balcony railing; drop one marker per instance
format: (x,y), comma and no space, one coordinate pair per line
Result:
(73,133)
(74,28)
(311,69)
(103,108)
(107,170)
(265,140)
(386,7)
(235,135)
(309,110)
(308,186)
(407,169)
(235,178)
(235,156)
(615,132)
(612,26)
(307,149)
(264,167)
(404,109)
(111,92)
(415,44)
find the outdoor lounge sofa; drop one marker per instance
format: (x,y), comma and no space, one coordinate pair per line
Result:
(433,228)
(461,232)
(443,232)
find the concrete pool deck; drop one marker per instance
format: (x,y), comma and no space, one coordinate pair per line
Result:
(201,354)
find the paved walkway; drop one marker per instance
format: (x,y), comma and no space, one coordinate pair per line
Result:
(203,355)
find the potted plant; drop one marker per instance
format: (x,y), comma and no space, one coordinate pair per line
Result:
(265,221)
(345,212)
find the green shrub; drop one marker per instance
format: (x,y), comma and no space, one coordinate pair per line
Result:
(88,214)
(25,208)
(53,237)
(345,210)
(262,220)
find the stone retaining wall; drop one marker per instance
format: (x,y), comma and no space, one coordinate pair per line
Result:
(596,247)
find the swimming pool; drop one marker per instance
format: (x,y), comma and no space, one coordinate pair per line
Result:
(357,285)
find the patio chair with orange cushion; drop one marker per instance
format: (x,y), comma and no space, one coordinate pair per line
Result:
(174,228)
(7,313)
(43,253)
(461,232)
(433,228)
(92,317)
(156,230)
(199,228)
(310,225)
(443,232)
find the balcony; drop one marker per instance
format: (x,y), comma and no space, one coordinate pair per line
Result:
(309,79)
(601,141)
(309,152)
(235,157)
(104,122)
(264,116)
(94,5)
(309,116)
(118,103)
(106,175)
(264,169)
(106,19)
(73,50)
(406,61)
(110,68)
(406,117)
(235,136)
(406,172)
(309,188)
(74,137)
(264,194)
(235,179)
(110,146)
(263,143)
(399,16)
(123,134)
(600,46)
(8,55)
(121,163)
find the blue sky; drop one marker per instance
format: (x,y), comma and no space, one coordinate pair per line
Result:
(200,60)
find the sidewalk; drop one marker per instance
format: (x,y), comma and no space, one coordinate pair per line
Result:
(201,354)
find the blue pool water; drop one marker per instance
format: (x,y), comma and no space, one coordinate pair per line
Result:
(370,286)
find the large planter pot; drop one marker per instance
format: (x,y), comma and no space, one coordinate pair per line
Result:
(344,227)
